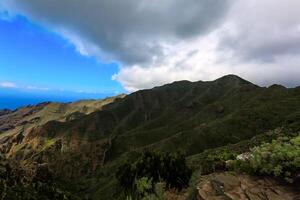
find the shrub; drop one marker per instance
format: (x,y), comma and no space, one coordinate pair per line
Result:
(16,183)
(213,160)
(170,168)
(143,186)
(158,194)
(279,158)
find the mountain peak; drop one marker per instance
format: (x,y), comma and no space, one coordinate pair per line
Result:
(231,78)
(277,86)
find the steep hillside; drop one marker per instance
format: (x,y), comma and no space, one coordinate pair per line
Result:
(17,125)
(40,114)
(190,116)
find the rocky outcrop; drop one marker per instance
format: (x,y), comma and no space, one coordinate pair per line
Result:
(233,186)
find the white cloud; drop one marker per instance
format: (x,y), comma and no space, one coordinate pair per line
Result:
(8,85)
(32,87)
(12,85)
(183,61)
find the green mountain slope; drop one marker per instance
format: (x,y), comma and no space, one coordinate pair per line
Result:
(189,116)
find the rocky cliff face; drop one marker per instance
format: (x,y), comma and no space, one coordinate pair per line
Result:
(233,186)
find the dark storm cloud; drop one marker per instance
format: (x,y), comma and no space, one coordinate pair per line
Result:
(130,31)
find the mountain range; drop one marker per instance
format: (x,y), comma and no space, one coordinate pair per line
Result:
(84,143)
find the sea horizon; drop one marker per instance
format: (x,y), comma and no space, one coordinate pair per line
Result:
(15,101)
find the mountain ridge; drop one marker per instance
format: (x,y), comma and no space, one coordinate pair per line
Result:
(187,116)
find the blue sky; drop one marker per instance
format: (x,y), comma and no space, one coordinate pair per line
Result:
(36,61)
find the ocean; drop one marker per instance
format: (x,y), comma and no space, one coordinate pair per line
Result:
(15,100)
(13,103)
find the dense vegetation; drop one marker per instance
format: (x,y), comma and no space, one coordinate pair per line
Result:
(224,158)
(279,158)
(152,168)
(215,159)
(17,184)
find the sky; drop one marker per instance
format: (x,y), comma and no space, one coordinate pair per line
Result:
(38,65)
(96,48)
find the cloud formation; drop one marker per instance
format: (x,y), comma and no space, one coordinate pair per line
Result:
(157,42)
(12,85)
(263,30)
(7,85)
(129,31)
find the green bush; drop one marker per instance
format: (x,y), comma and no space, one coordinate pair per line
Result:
(15,184)
(158,194)
(143,186)
(170,168)
(279,158)
(212,160)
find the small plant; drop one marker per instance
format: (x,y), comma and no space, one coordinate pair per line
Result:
(158,194)
(143,186)
(193,183)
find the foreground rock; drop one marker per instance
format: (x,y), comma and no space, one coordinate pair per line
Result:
(232,186)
